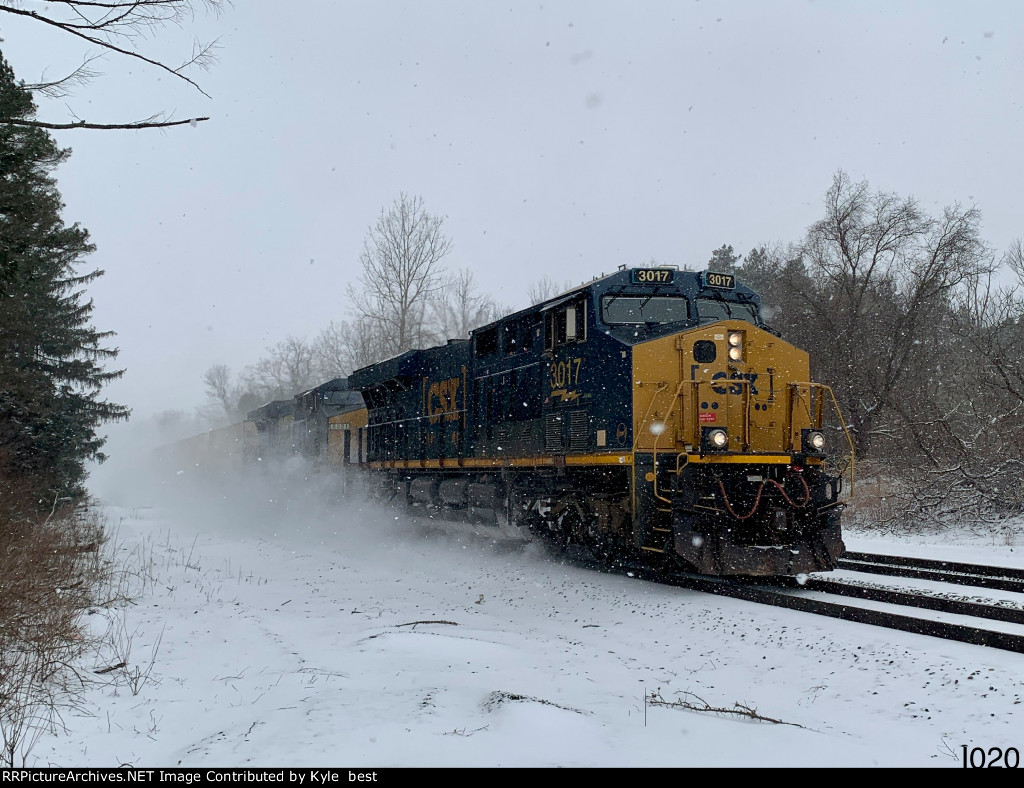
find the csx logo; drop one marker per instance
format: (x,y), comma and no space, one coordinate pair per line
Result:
(735,389)
(441,400)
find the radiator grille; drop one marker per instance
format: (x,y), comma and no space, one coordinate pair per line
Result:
(553,432)
(579,430)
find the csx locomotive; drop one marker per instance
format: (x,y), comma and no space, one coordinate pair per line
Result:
(650,412)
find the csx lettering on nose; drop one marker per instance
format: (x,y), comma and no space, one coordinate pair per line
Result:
(748,376)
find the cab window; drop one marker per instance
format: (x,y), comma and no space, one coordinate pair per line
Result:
(711,309)
(487,342)
(641,309)
(518,336)
(565,324)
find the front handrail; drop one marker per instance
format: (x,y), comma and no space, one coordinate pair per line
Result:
(818,420)
(657,437)
(691,424)
(817,417)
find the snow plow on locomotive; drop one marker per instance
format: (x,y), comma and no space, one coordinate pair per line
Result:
(650,412)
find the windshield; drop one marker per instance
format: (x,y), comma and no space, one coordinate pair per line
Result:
(711,309)
(644,309)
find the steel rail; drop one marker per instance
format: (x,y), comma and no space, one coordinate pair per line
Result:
(1012,615)
(1000,583)
(752,593)
(930,563)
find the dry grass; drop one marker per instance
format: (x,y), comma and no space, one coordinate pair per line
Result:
(888,502)
(877,503)
(51,569)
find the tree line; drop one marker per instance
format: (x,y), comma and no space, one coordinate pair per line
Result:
(52,359)
(905,318)
(53,368)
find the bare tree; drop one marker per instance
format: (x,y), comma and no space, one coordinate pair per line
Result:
(401,262)
(974,435)
(459,307)
(223,395)
(286,370)
(931,373)
(115,27)
(219,387)
(1014,260)
(545,288)
(345,346)
(901,315)
(874,280)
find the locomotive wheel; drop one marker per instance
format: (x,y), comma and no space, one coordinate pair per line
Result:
(603,550)
(536,525)
(562,534)
(509,521)
(582,527)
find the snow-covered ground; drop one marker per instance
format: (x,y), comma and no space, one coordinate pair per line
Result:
(278,632)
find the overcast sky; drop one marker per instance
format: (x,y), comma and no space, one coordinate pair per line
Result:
(559,138)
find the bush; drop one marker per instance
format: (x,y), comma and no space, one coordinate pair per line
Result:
(50,570)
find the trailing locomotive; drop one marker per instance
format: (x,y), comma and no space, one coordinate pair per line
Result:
(648,412)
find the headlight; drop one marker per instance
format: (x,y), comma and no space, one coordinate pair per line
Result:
(813,441)
(735,345)
(714,439)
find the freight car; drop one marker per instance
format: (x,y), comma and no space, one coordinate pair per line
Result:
(650,412)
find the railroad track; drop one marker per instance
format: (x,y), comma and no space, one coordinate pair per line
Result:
(978,575)
(792,598)
(791,593)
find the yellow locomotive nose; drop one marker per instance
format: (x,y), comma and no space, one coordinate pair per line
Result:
(736,475)
(721,388)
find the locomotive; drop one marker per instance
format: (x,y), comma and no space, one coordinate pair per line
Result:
(650,412)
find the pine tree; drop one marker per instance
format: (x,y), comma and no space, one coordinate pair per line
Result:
(51,357)
(724,260)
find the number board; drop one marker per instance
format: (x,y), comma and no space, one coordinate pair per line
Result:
(653,276)
(723,281)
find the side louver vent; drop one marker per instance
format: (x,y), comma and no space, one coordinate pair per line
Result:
(553,432)
(579,430)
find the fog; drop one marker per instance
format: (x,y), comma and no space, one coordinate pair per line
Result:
(285,501)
